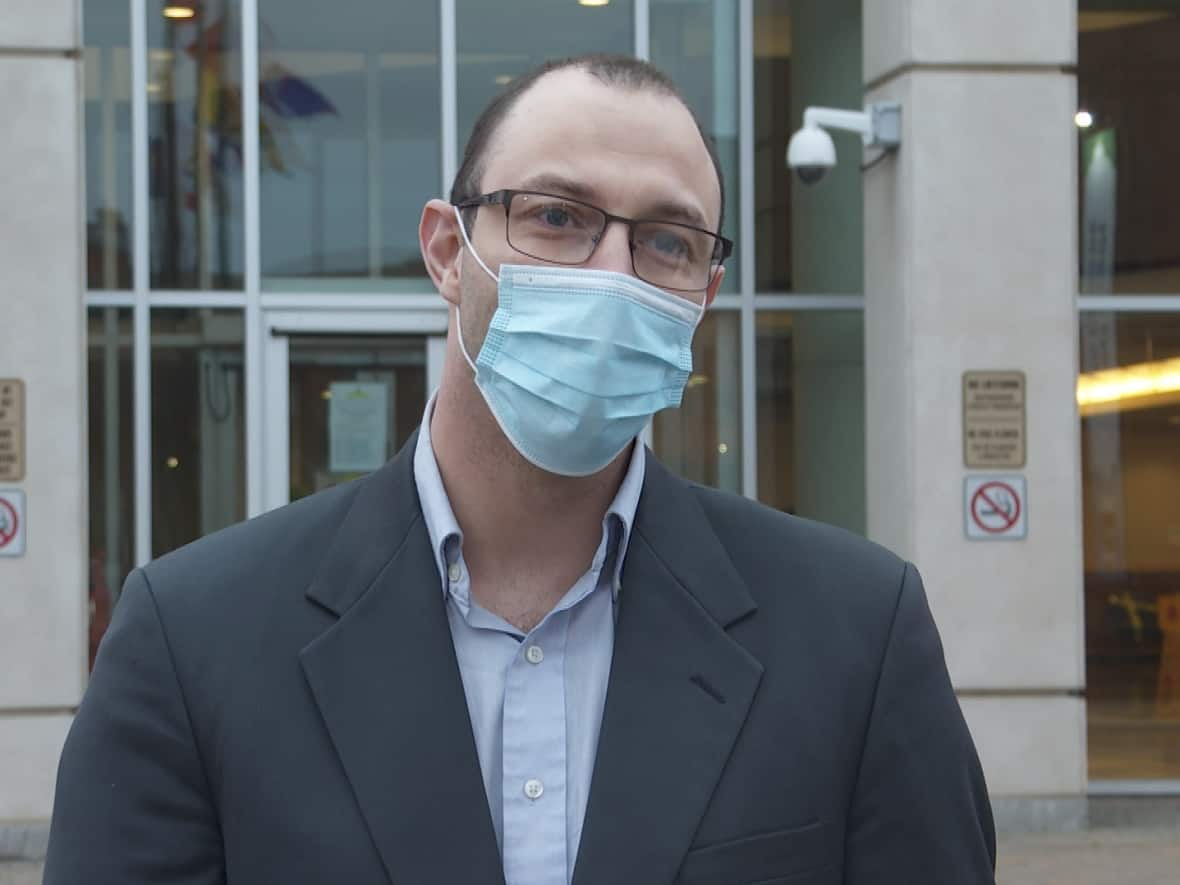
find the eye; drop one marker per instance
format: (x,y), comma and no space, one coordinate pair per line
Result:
(669,244)
(555,216)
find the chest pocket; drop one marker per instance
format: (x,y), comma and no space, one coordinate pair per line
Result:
(766,858)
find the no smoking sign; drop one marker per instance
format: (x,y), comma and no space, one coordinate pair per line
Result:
(996,508)
(12,522)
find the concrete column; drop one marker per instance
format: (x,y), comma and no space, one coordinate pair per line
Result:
(43,598)
(971,263)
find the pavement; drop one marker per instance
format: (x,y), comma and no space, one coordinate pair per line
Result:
(1095,857)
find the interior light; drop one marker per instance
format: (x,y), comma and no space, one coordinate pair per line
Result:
(593,2)
(1083,119)
(504,79)
(173,462)
(325,394)
(178,11)
(1142,385)
(723,449)
(154,88)
(696,381)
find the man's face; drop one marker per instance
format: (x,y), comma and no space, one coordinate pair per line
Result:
(634,153)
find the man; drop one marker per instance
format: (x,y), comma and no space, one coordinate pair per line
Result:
(523,651)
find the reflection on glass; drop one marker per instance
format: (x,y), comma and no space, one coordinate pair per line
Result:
(350,123)
(696,44)
(1128,70)
(198,424)
(107,77)
(702,440)
(195,144)
(497,42)
(1129,399)
(111,443)
(807,238)
(354,402)
(811,450)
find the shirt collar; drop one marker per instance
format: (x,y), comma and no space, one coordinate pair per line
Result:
(444,529)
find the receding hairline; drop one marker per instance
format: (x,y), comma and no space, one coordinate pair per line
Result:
(621,73)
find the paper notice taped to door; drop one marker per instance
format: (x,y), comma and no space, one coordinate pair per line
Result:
(357,426)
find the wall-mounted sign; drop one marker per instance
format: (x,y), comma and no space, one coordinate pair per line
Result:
(996,508)
(12,430)
(12,522)
(994,426)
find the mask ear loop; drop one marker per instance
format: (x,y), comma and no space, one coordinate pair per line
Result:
(475,255)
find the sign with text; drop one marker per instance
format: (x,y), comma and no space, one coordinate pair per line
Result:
(12,430)
(994,423)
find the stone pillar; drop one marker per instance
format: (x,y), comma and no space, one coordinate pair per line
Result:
(971,264)
(43,599)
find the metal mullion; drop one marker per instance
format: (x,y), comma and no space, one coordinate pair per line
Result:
(449,97)
(1130,303)
(251,212)
(809,302)
(643,29)
(178,300)
(141,280)
(746,246)
(110,299)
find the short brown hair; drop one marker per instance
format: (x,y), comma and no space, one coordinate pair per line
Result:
(620,71)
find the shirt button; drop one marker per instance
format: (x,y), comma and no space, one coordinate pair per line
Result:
(535,654)
(533,789)
(455,571)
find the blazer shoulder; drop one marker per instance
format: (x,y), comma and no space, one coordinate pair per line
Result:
(768,544)
(284,543)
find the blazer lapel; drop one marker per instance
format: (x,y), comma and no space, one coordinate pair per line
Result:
(386,680)
(680,689)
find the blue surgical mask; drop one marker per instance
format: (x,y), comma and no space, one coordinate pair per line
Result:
(576,361)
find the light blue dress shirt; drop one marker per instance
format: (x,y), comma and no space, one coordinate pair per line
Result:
(535,699)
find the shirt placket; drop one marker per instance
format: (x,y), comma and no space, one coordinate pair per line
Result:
(534,758)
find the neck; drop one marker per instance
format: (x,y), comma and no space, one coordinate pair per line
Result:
(517,519)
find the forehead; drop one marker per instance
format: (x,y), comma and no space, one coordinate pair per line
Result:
(629,149)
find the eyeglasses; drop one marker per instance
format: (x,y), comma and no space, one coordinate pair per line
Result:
(561,230)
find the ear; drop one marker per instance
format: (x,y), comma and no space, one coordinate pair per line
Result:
(442,248)
(714,287)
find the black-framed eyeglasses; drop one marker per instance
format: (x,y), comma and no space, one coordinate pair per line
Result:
(562,230)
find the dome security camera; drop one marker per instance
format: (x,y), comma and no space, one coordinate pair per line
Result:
(811,153)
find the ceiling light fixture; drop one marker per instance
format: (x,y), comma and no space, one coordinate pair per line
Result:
(1140,386)
(593,2)
(1083,119)
(179,12)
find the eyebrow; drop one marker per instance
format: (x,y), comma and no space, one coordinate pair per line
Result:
(667,210)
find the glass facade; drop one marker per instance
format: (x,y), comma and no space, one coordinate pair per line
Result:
(198,427)
(107,74)
(195,144)
(1129,388)
(350,143)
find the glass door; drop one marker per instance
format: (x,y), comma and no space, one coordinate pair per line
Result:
(342,397)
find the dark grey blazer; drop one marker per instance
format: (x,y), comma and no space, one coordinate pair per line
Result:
(281,703)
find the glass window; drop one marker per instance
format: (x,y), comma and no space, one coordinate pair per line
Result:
(808,238)
(195,143)
(350,127)
(1128,73)
(696,44)
(702,439)
(354,402)
(1129,399)
(111,443)
(198,425)
(811,433)
(107,60)
(497,42)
